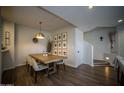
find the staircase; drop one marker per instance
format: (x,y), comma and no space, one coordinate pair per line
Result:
(100,63)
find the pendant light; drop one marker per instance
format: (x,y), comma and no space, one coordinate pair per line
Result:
(40,35)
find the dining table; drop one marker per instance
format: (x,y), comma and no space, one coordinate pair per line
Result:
(48,59)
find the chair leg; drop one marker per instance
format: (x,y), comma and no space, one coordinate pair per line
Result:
(35,76)
(47,72)
(64,66)
(122,79)
(31,70)
(57,66)
(118,74)
(28,67)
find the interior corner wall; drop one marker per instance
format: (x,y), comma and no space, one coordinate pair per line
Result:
(78,47)
(70,61)
(24,44)
(100,47)
(75,55)
(120,38)
(8,57)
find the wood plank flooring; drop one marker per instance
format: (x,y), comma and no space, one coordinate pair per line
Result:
(81,76)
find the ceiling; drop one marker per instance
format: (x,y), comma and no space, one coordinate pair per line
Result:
(56,17)
(31,16)
(87,19)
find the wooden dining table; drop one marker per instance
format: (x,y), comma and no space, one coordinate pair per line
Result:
(49,60)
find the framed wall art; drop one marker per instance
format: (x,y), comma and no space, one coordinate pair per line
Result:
(55,52)
(64,44)
(55,38)
(59,37)
(55,45)
(64,52)
(59,52)
(64,36)
(59,44)
(7,38)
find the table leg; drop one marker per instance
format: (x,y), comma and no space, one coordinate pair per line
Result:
(55,70)
(48,70)
(51,70)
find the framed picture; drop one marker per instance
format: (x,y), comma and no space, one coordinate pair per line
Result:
(59,44)
(7,41)
(55,38)
(64,52)
(59,37)
(55,45)
(64,36)
(64,44)
(7,38)
(55,52)
(7,34)
(59,52)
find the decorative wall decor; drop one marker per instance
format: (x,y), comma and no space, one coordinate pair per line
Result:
(59,37)
(112,36)
(55,52)
(64,52)
(64,44)
(55,45)
(59,52)
(101,38)
(64,36)
(55,38)
(49,46)
(35,40)
(7,38)
(60,44)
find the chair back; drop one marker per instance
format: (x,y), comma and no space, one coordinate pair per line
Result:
(29,59)
(35,65)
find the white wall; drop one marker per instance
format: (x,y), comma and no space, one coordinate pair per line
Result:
(88,53)
(120,31)
(8,57)
(78,47)
(77,52)
(24,45)
(71,44)
(100,47)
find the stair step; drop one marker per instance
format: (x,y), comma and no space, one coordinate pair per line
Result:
(100,63)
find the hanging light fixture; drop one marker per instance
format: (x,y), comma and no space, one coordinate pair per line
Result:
(40,35)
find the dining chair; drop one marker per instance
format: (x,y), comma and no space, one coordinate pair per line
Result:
(37,68)
(29,62)
(60,63)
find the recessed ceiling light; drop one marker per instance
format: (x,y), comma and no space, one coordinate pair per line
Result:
(120,20)
(90,7)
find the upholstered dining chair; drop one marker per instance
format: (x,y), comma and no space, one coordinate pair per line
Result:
(60,63)
(29,62)
(37,67)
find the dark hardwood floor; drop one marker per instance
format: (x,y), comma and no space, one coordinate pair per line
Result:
(81,76)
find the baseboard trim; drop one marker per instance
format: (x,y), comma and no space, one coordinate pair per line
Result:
(19,65)
(13,67)
(71,65)
(9,68)
(99,59)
